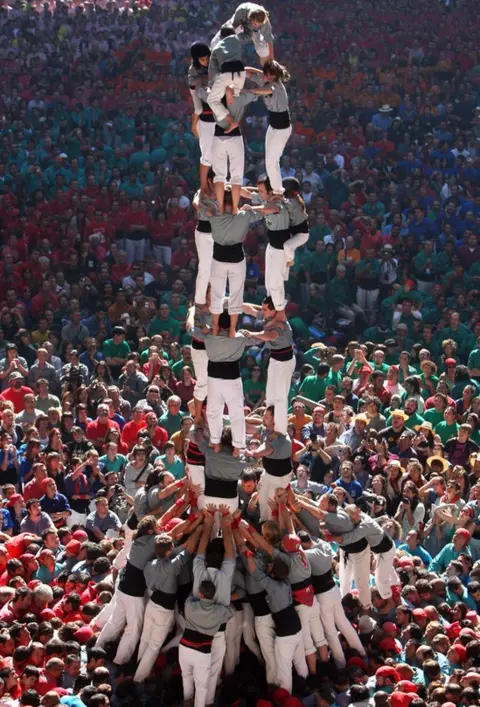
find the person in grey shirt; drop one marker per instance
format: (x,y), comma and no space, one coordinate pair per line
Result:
(102,520)
(44,399)
(224,385)
(252,24)
(36,521)
(199,658)
(75,332)
(228,263)
(12,363)
(41,369)
(161,577)
(222,471)
(29,414)
(132,383)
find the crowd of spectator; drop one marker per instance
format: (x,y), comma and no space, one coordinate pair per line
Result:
(98,168)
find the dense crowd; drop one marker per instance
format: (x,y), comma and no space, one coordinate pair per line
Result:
(349,547)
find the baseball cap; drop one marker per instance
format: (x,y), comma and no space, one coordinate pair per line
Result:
(419,614)
(389,627)
(366,624)
(80,535)
(291,543)
(73,547)
(406,686)
(390,644)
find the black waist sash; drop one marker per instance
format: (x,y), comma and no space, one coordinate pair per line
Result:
(277,238)
(301,228)
(384,545)
(259,604)
(323,582)
(203,226)
(277,467)
(228,253)
(286,621)
(132,581)
(164,599)
(221,488)
(200,642)
(280,120)
(227,370)
(282,354)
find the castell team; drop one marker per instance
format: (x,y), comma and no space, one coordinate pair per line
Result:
(286,603)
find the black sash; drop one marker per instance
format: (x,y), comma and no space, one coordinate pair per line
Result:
(279,120)
(277,467)
(226,370)
(228,253)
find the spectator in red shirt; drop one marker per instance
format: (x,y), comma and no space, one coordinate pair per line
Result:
(44,300)
(50,677)
(35,488)
(97,429)
(16,392)
(182,255)
(131,429)
(137,226)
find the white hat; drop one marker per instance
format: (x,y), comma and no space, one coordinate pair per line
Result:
(385,108)
(64,155)
(366,624)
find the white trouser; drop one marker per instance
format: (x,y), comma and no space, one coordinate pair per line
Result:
(222,392)
(333,618)
(385,575)
(265,630)
(248,630)
(233,641)
(279,380)
(312,629)
(235,273)
(293,243)
(229,153)
(204,245)
(76,518)
(276,272)
(135,249)
(126,619)
(357,567)
(260,44)
(204,501)
(275,141)
(289,651)
(367,300)
(267,487)
(195,668)
(157,624)
(218,654)
(200,364)
(196,474)
(217,92)
(206,133)
(351,312)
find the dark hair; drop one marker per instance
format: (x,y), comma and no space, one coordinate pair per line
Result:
(207,588)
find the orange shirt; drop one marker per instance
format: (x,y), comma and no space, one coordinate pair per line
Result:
(299,423)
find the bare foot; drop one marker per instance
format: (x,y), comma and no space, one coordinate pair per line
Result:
(232,333)
(290,263)
(215,330)
(217,448)
(236,452)
(197,421)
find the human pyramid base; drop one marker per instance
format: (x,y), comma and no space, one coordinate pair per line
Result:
(201,569)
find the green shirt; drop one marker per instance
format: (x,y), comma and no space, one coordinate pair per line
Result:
(445,432)
(313,387)
(171,423)
(414,421)
(157,326)
(178,367)
(112,350)
(254,390)
(433,417)
(371,274)
(474,359)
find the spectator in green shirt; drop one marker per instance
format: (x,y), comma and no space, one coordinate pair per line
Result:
(474,362)
(164,322)
(186,360)
(448,428)
(254,388)
(172,419)
(172,462)
(341,299)
(116,351)
(313,387)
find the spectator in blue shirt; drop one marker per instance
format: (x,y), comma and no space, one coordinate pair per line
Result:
(54,503)
(412,547)
(347,482)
